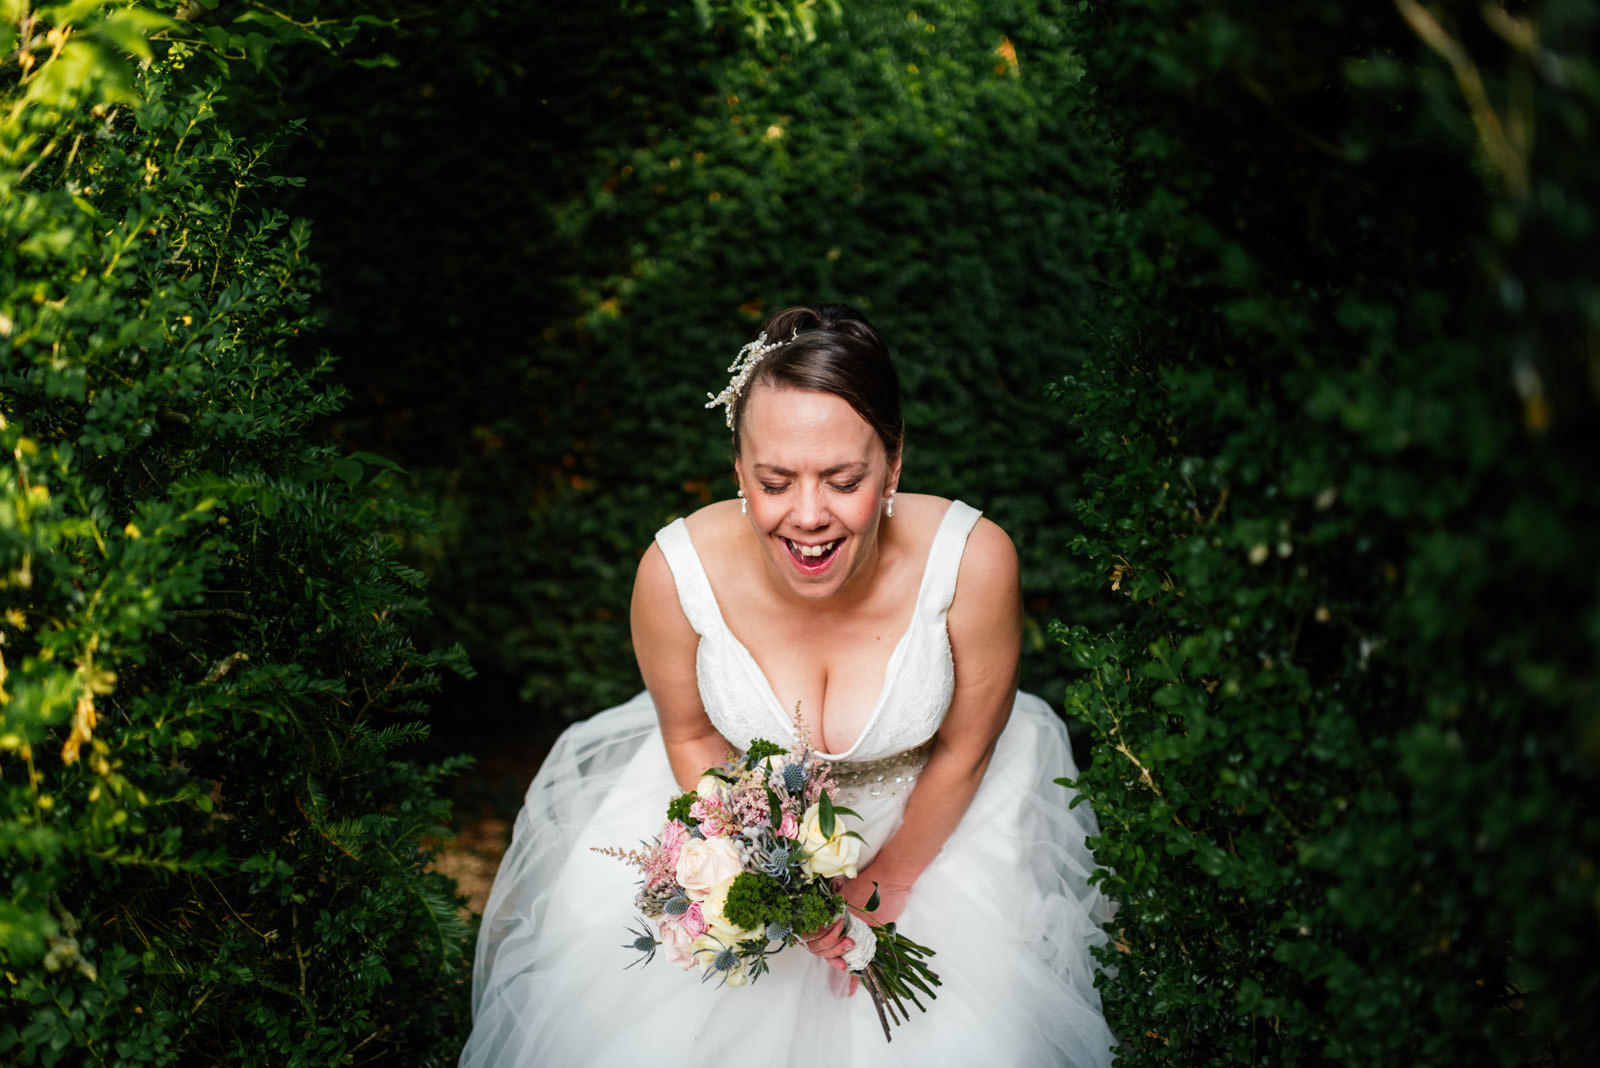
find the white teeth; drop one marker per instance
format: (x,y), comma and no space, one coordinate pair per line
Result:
(815,550)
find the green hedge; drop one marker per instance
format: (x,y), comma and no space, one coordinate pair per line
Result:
(211,853)
(1343,438)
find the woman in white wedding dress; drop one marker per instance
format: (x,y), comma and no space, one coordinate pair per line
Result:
(892,623)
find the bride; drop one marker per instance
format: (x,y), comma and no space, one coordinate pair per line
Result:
(882,629)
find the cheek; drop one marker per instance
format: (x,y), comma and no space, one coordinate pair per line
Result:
(865,511)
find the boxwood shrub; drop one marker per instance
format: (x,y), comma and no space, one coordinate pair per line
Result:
(211,851)
(1346,738)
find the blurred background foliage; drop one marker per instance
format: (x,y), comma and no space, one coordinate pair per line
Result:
(1342,443)
(543,258)
(1271,333)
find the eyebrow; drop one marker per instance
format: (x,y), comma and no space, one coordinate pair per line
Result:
(827,472)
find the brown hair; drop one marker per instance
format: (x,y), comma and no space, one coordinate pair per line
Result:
(829,348)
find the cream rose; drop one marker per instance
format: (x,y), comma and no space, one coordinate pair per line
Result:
(722,938)
(705,862)
(827,857)
(711,788)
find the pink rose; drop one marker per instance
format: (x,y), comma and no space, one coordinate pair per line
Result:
(705,862)
(671,839)
(789,827)
(693,921)
(714,819)
(677,943)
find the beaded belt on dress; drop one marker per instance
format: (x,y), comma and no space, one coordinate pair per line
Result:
(881,778)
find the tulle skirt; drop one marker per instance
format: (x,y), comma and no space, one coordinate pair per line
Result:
(1006,906)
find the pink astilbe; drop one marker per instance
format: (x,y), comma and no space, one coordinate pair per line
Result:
(819,777)
(661,862)
(748,805)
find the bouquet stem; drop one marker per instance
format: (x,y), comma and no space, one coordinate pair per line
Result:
(894,975)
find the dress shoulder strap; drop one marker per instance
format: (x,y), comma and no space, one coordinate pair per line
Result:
(695,595)
(944,557)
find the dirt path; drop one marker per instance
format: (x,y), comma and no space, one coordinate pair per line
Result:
(486,800)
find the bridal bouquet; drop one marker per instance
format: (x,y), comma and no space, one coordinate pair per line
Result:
(745,865)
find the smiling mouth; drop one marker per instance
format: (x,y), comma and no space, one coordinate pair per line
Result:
(812,554)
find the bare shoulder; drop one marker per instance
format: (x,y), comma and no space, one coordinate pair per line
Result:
(714,528)
(989,553)
(653,580)
(655,614)
(988,585)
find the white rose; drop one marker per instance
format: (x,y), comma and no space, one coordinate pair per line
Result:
(711,788)
(705,862)
(827,857)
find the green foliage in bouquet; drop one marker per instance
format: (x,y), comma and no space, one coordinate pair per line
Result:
(1343,428)
(760,749)
(678,808)
(211,850)
(757,900)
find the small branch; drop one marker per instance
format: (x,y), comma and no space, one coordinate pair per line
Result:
(200,613)
(235,914)
(225,665)
(1507,157)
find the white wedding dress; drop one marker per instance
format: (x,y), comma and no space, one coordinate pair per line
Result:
(1006,905)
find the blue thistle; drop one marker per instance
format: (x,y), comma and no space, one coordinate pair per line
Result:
(644,943)
(676,905)
(724,961)
(794,778)
(778,859)
(778,932)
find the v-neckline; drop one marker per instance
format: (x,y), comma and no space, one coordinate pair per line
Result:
(774,706)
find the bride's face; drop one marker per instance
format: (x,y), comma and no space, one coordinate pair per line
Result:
(815,474)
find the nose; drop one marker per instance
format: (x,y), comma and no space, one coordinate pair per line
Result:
(810,511)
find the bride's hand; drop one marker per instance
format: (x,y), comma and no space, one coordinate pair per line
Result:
(891,898)
(830,943)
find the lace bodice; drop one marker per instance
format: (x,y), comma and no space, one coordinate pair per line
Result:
(917,686)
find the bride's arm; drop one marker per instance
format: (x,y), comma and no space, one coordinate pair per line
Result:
(985,624)
(665,645)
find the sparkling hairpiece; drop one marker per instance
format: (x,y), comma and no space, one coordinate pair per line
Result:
(743,366)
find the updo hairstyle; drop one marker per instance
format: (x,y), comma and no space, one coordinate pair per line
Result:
(836,351)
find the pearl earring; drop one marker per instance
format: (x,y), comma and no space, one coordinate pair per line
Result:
(888,507)
(744,505)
